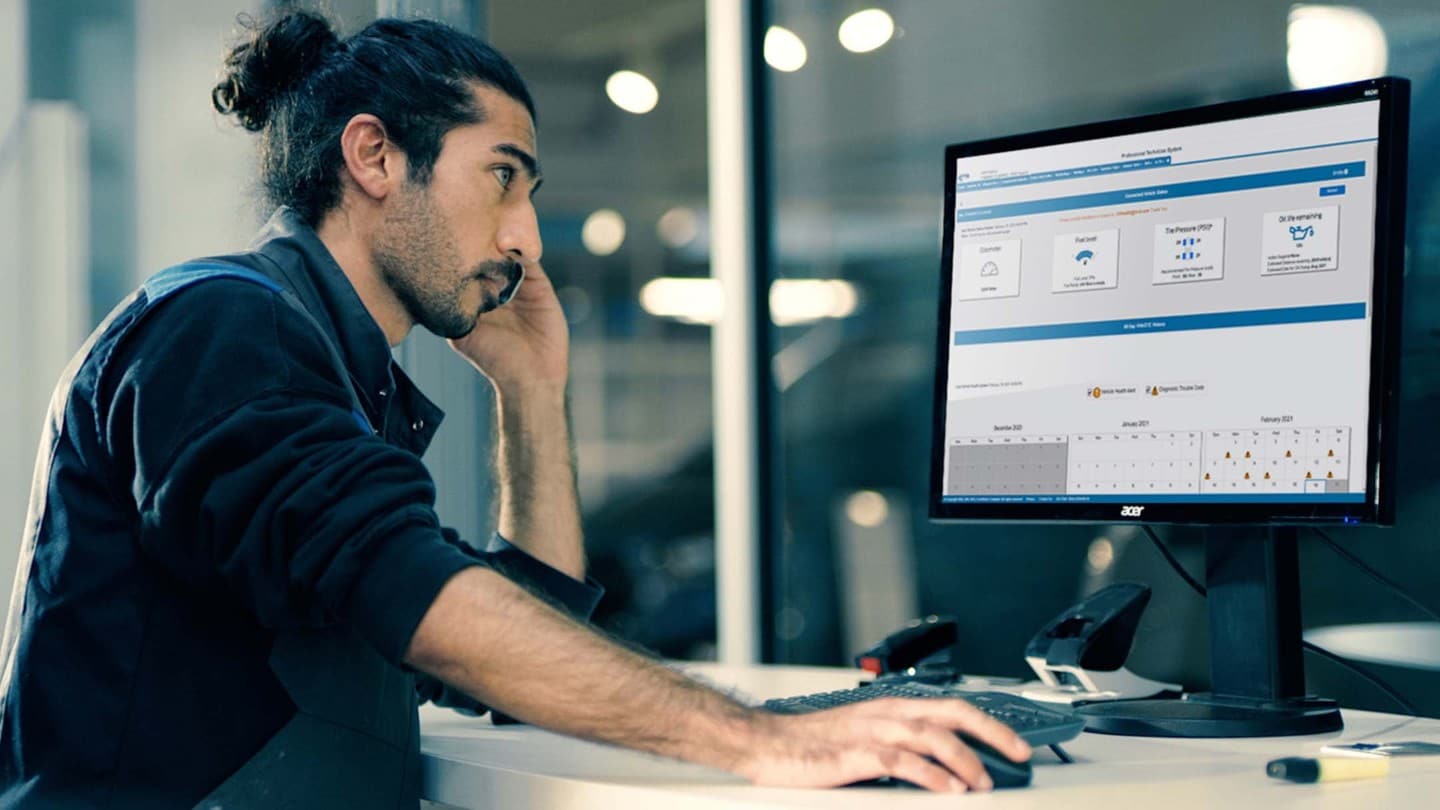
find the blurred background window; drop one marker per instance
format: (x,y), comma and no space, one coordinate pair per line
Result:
(620,87)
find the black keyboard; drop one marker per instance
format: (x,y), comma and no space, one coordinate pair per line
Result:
(1037,723)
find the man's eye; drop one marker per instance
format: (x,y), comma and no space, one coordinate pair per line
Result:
(504,174)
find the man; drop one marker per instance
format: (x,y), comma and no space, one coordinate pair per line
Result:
(234,583)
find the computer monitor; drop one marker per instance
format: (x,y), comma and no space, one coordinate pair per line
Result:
(1190,317)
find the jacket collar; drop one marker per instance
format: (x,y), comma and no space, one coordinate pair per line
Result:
(310,272)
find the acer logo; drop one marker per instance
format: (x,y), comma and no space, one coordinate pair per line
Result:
(1131,511)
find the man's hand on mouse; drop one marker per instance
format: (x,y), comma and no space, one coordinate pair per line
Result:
(914,740)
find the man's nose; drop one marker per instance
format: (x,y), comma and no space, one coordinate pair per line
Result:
(519,235)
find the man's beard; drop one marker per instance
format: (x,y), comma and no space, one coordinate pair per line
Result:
(416,256)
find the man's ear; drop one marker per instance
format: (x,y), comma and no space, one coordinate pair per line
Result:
(373,162)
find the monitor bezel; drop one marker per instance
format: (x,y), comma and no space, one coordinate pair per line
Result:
(1378,508)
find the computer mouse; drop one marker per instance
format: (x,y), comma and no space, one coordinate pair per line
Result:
(1003,772)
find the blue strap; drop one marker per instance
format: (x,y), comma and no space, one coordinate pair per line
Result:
(173,279)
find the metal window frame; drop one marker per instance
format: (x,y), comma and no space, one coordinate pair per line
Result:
(747,479)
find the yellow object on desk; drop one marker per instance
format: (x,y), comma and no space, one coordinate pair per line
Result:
(1327,769)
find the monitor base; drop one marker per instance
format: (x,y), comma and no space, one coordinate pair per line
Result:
(1205,715)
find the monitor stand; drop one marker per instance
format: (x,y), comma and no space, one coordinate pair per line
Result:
(1256,666)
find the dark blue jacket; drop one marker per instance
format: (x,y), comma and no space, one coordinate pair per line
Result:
(224,563)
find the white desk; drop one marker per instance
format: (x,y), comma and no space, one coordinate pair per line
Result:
(469,763)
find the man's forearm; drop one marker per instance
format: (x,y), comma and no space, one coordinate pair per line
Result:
(539,505)
(490,638)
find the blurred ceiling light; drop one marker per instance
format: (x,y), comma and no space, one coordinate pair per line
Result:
(864,31)
(783,49)
(1332,45)
(792,301)
(603,232)
(678,227)
(867,508)
(632,92)
(689,300)
(1100,556)
(804,300)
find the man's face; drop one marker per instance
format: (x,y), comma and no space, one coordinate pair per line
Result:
(453,248)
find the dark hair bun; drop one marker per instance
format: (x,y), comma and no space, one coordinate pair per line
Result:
(270,61)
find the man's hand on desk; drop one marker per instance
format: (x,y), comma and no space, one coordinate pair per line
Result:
(912,740)
(489,637)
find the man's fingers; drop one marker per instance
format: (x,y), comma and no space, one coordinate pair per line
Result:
(917,770)
(958,716)
(938,743)
(941,744)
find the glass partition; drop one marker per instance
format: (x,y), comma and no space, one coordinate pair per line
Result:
(620,88)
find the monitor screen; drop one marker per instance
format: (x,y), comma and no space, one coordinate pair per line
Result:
(1179,317)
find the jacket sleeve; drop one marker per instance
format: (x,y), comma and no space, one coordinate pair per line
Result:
(576,599)
(253,478)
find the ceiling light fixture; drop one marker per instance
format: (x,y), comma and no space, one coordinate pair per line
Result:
(864,31)
(688,300)
(806,300)
(678,227)
(868,508)
(793,301)
(1332,45)
(784,51)
(603,232)
(632,92)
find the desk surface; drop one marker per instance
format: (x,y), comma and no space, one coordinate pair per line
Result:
(470,763)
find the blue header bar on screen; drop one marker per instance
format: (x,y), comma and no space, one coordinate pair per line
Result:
(1164,323)
(1219,185)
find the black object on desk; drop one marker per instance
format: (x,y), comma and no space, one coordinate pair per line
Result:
(1080,654)
(926,650)
(1095,634)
